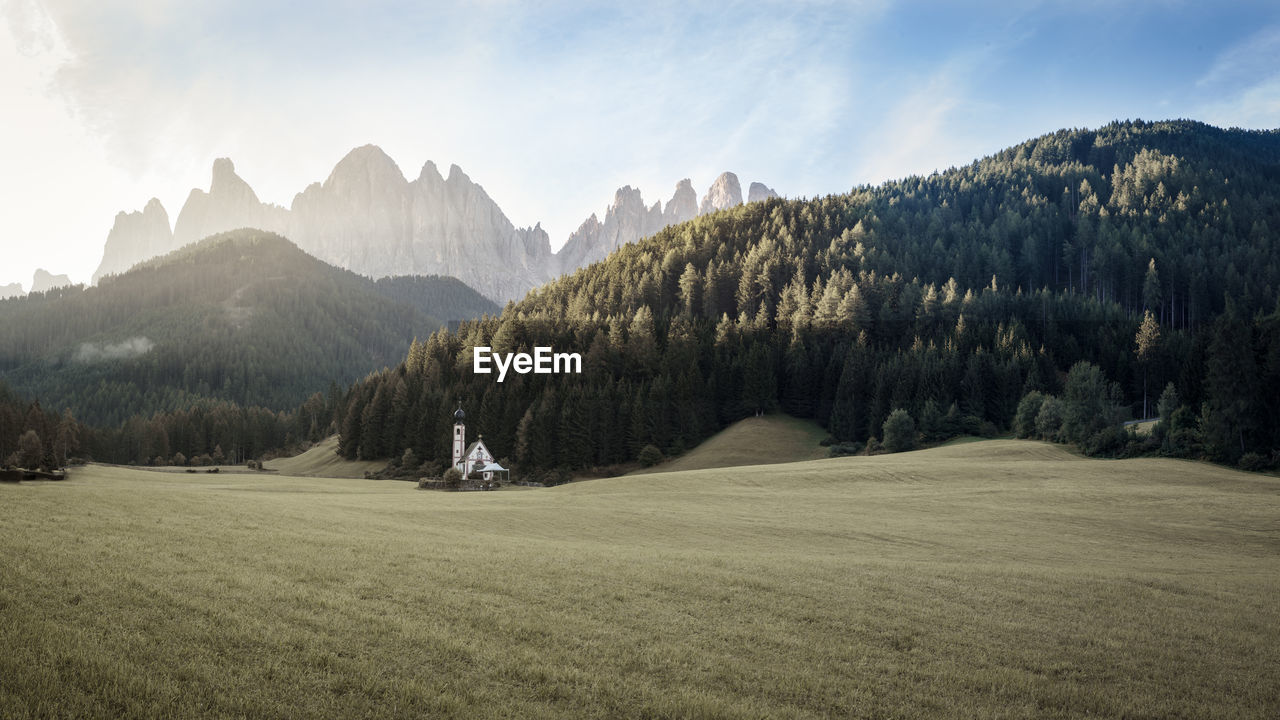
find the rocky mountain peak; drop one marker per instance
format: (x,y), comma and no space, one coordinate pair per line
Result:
(365,169)
(224,175)
(229,204)
(724,193)
(457,176)
(44,280)
(135,236)
(367,217)
(683,205)
(430,174)
(759,191)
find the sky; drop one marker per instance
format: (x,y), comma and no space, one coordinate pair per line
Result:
(552,106)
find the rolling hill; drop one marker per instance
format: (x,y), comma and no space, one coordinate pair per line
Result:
(244,317)
(763,440)
(323,461)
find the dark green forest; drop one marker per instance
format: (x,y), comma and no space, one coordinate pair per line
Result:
(951,297)
(244,317)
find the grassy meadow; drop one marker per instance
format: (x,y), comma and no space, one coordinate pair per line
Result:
(991,579)
(763,440)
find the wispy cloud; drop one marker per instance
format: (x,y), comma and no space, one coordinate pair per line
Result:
(1256,56)
(1244,83)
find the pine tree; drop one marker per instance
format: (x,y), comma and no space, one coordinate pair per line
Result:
(1151,293)
(1147,339)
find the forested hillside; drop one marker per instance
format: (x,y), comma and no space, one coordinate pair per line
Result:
(949,296)
(244,317)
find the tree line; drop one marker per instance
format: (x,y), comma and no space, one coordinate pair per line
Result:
(950,297)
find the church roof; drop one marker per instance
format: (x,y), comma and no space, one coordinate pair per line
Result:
(472,447)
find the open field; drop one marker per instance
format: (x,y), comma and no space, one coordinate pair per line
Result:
(991,579)
(764,440)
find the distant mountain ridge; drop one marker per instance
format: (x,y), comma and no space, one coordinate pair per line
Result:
(41,281)
(368,218)
(243,316)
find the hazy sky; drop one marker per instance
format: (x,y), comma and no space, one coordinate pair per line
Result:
(552,106)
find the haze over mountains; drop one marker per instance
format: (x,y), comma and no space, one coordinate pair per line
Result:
(244,317)
(41,281)
(368,218)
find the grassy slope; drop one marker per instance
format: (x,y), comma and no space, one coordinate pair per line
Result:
(323,461)
(1002,578)
(763,440)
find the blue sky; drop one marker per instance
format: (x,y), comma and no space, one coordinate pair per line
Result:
(552,106)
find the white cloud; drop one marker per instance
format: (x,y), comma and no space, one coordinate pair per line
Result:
(1256,107)
(1244,83)
(1243,63)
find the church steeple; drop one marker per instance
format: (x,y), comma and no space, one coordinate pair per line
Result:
(459,435)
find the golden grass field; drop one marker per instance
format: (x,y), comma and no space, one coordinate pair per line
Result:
(992,579)
(323,461)
(765,440)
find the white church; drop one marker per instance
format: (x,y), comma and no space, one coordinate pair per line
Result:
(474,458)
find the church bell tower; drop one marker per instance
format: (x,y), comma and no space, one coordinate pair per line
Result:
(459,435)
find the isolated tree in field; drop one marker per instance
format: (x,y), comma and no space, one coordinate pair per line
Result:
(1024,420)
(1147,339)
(1049,419)
(1089,402)
(409,460)
(899,431)
(650,455)
(30,450)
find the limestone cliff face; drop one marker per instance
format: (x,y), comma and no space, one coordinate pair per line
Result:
(367,217)
(135,237)
(229,204)
(759,191)
(11,290)
(44,280)
(723,194)
(628,219)
(358,218)
(683,205)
